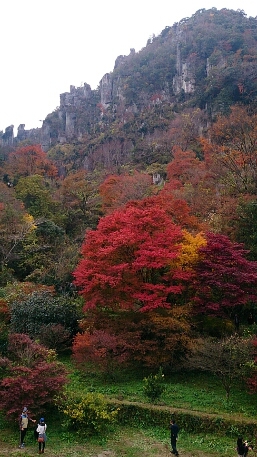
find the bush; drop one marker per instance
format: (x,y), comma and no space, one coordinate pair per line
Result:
(154,386)
(89,413)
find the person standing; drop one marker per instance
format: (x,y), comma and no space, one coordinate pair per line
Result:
(23,423)
(174,430)
(237,322)
(242,447)
(41,430)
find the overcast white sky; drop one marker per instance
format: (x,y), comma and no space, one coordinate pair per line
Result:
(48,45)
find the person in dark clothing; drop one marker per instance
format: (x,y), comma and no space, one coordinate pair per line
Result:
(237,322)
(174,430)
(242,447)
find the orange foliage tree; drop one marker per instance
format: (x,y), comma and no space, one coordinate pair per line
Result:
(128,338)
(29,160)
(184,129)
(100,348)
(193,185)
(117,190)
(232,150)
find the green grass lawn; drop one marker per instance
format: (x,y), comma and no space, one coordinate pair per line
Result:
(120,442)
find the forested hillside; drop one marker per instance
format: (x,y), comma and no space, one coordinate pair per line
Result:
(128,231)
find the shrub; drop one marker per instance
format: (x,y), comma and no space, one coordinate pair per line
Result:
(4,323)
(88,413)
(154,386)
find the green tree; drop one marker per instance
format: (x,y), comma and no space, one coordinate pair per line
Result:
(16,226)
(245,226)
(36,196)
(80,201)
(42,309)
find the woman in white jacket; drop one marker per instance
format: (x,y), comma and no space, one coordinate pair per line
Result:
(41,430)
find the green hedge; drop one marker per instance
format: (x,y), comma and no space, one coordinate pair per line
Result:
(192,422)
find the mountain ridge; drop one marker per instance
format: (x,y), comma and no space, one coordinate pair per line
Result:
(204,63)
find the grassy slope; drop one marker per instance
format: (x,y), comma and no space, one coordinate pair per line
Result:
(192,391)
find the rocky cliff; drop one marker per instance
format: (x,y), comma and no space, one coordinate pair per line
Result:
(187,64)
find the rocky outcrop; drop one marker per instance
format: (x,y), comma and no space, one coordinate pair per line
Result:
(33,134)
(70,102)
(215,64)
(106,90)
(45,136)
(7,138)
(75,96)
(184,78)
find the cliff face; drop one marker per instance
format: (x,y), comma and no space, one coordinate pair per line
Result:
(207,61)
(67,123)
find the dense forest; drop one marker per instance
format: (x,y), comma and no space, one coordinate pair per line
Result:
(132,241)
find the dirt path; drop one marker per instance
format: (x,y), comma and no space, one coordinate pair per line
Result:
(157,450)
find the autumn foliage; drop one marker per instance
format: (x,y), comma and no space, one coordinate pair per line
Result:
(28,161)
(224,277)
(232,150)
(101,349)
(29,376)
(128,239)
(129,262)
(116,191)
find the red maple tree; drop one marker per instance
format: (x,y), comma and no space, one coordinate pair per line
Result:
(224,277)
(29,376)
(127,263)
